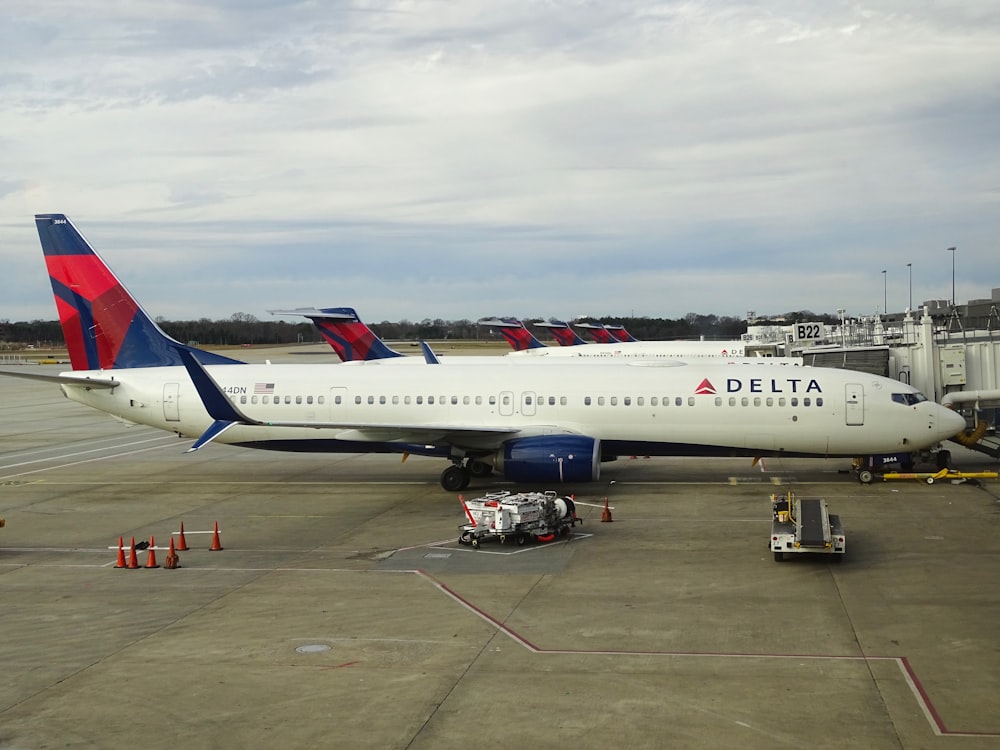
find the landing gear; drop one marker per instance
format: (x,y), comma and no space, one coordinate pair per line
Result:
(479,469)
(455,478)
(943,459)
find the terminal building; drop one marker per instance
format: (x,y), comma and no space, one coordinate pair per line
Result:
(951,353)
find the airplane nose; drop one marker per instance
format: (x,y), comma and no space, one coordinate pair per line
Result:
(949,423)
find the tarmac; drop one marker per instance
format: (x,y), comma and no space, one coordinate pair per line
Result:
(341,612)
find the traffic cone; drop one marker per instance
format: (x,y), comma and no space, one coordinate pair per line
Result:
(151,554)
(132,561)
(172,561)
(121,554)
(216,542)
(606,513)
(182,544)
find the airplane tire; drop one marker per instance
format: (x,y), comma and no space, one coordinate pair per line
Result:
(454,478)
(865,476)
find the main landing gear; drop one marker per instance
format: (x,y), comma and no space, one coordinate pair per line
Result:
(457,477)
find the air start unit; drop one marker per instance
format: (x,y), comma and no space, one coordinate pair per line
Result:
(517,517)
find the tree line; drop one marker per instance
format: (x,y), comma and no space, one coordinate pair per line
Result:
(244,328)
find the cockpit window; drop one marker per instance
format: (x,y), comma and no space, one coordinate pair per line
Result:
(908,399)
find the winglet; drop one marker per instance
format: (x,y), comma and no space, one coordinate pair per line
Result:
(216,403)
(429,356)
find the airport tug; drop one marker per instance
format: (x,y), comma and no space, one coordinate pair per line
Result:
(804,524)
(517,517)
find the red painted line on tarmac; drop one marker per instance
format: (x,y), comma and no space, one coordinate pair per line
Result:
(916,688)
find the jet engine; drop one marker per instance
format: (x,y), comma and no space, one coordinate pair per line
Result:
(551,458)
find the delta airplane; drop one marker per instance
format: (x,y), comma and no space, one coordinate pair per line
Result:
(354,341)
(546,423)
(599,332)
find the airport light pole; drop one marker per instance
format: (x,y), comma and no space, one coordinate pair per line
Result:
(885,293)
(909,266)
(952,251)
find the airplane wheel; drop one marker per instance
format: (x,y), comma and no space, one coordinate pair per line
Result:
(479,469)
(865,476)
(454,478)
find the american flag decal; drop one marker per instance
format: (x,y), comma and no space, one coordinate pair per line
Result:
(263,388)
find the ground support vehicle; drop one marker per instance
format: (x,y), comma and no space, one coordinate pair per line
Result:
(804,524)
(517,517)
(938,476)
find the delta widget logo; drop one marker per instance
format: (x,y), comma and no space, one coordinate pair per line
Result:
(705,388)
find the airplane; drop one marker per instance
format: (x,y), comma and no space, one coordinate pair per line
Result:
(563,334)
(599,332)
(354,341)
(531,424)
(343,329)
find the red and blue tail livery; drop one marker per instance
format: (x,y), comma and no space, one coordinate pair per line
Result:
(104,327)
(343,329)
(514,331)
(565,335)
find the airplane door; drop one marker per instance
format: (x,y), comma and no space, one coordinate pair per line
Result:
(171,411)
(528,403)
(854,400)
(506,403)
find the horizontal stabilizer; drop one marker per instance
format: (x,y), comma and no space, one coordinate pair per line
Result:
(217,428)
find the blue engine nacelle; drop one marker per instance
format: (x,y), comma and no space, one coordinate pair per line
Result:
(551,458)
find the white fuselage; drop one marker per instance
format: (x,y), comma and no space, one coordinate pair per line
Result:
(694,408)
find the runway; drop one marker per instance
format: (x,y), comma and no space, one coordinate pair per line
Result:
(342,612)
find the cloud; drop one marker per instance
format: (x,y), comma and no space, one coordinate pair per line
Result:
(423,159)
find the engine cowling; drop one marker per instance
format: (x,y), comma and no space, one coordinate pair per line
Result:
(551,458)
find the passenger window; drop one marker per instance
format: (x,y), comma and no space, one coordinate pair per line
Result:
(745,401)
(614,401)
(718,400)
(756,401)
(586,400)
(653,401)
(795,401)
(732,400)
(770,401)
(357,400)
(309,399)
(320,400)
(381,400)
(781,401)
(819,401)
(266,399)
(627,401)
(806,401)
(371,400)
(430,399)
(420,400)
(288,399)
(562,400)
(253,399)
(600,400)
(690,401)
(639,401)
(243,399)
(298,399)
(678,401)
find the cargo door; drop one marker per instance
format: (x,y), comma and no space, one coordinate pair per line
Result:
(171,394)
(854,400)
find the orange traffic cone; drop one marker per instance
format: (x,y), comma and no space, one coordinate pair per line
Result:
(132,561)
(121,554)
(172,560)
(606,513)
(216,542)
(151,554)
(182,544)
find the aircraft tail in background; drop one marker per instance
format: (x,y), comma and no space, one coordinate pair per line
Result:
(344,330)
(104,327)
(599,332)
(565,335)
(512,329)
(619,332)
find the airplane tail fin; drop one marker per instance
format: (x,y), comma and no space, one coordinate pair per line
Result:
(344,330)
(104,327)
(565,335)
(620,333)
(515,332)
(600,333)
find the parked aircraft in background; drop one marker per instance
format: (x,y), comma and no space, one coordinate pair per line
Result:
(599,332)
(343,329)
(562,333)
(544,423)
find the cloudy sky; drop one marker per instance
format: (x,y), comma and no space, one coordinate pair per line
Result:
(425,159)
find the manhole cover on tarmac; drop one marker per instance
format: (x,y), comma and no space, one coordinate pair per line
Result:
(312,648)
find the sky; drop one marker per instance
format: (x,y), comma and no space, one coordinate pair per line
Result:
(557,158)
